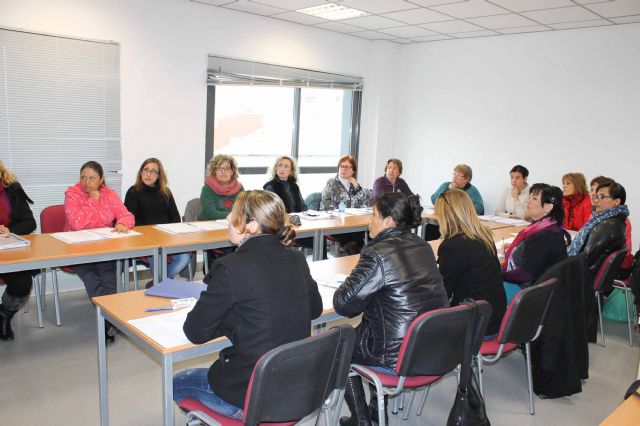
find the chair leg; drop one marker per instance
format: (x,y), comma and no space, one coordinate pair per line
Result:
(190,270)
(423,400)
(527,356)
(36,290)
(56,298)
(43,289)
(600,319)
(205,259)
(411,398)
(134,265)
(480,384)
(381,407)
(626,305)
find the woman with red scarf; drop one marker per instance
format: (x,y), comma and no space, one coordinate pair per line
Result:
(221,187)
(540,245)
(576,201)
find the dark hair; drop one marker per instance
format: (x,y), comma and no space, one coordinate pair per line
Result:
(520,169)
(616,191)
(550,194)
(600,180)
(405,211)
(96,167)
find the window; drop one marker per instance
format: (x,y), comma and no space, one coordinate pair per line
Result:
(257,112)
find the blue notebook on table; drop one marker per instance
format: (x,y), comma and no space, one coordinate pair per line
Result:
(176,289)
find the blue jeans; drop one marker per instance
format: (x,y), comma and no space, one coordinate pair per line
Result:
(179,261)
(194,383)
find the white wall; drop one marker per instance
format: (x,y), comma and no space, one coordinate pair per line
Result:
(555,102)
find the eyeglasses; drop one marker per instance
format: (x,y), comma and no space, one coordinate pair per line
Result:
(601,197)
(151,171)
(223,169)
(346,166)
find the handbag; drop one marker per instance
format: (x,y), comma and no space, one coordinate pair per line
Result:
(468,407)
(614,307)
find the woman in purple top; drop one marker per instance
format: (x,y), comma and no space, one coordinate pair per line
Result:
(391,181)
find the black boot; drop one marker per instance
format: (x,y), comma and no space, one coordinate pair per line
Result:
(373,406)
(110,332)
(6,332)
(357,403)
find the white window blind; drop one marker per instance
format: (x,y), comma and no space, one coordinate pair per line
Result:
(59,107)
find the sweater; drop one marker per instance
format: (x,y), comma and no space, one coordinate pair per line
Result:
(216,206)
(382,185)
(84,212)
(471,191)
(260,297)
(334,192)
(508,207)
(21,218)
(469,270)
(289,192)
(150,207)
(577,216)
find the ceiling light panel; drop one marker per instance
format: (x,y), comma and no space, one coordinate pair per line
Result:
(333,12)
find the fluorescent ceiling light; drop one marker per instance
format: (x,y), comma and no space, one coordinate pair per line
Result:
(333,12)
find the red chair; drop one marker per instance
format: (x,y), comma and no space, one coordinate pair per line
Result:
(432,347)
(522,323)
(604,281)
(53,219)
(288,383)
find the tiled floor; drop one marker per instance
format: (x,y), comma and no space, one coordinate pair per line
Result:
(49,377)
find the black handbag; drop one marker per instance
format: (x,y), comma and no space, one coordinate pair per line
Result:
(468,407)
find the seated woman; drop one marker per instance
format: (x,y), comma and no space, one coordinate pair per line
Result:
(151,202)
(391,181)
(260,297)
(540,245)
(221,187)
(627,264)
(15,217)
(467,257)
(603,234)
(396,279)
(514,199)
(345,188)
(284,183)
(576,202)
(462,175)
(91,204)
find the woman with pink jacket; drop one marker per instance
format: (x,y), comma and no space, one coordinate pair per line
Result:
(91,204)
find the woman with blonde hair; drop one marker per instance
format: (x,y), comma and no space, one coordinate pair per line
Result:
(284,183)
(151,202)
(575,201)
(221,187)
(467,257)
(261,296)
(15,217)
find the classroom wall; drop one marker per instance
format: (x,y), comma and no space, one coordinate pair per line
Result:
(555,102)
(164,47)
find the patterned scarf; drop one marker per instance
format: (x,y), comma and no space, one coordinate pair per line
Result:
(529,231)
(583,234)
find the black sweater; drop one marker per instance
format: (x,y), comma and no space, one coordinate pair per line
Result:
(21,220)
(150,207)
(260,297)
(470,270)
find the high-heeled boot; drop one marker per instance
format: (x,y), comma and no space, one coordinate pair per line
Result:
(373,406)
(357,403)
(10,305)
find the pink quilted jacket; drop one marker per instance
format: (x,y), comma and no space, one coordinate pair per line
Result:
(83,212)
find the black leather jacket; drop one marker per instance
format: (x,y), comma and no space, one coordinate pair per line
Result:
(21,220)
(605,238)
(395,280)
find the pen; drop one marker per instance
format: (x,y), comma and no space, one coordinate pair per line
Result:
(160,309)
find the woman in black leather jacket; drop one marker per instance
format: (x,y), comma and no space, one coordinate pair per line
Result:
(395,280)
(603,234)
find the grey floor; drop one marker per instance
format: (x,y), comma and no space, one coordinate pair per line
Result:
(49,377)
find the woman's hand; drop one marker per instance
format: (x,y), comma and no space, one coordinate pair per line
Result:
(4,229)
(353,182)
(120,228)
(452,185)
(515,194)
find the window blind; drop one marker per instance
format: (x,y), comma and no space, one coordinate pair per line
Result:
(227,71)
(59,107)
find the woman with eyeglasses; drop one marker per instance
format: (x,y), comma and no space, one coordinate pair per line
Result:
(396,279)
(91,204)
(151,202)
(221,187)
(467,257)
(462,175)
(540,245)
(576,201)
(15,217)
(513,200)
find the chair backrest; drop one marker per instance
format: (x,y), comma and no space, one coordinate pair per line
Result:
(52,219)
(525,314)
(434,343)
(290,381)
(193,210)
(314,200)
(340,373)
(607,272)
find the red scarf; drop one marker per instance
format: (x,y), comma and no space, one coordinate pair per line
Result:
(570,202)
(225,189)
(527,232)
(5,206)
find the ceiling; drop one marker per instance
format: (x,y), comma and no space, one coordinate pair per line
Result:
(417,21)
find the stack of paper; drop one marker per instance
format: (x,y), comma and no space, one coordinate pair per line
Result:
(87,235)
(11,241)
(316,215)
(166,329)
(359,211)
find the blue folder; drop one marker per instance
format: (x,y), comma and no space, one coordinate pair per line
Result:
(176,289)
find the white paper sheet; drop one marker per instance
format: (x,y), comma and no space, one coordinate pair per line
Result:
(110,234)
(74,237)
(177,228)
(209,225)
(166,329)
(359,211)
(315,215)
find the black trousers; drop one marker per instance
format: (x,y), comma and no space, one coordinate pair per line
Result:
(18,283)
(99,278)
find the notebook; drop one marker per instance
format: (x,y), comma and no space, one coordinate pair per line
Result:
(176,289)
(10,241)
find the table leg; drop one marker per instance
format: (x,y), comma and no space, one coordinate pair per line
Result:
(167,389)
(102,370)
(318,241)
(37,284)
(125,270)
(157,273)
(118,276)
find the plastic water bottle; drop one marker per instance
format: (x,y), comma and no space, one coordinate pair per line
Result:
(342,208)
